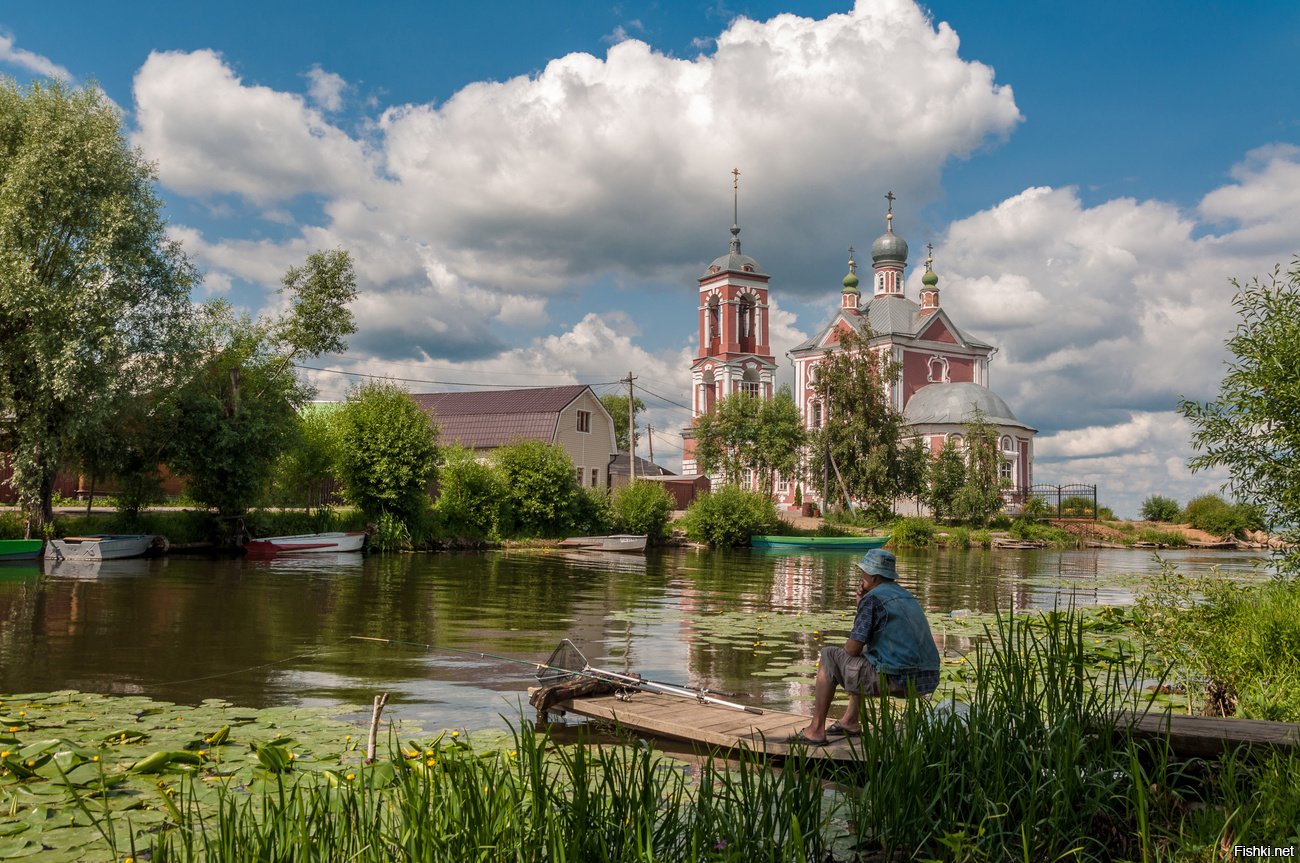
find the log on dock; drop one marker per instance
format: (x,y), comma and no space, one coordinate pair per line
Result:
(1209,736)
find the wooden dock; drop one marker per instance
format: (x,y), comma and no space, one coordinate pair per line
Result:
(1210,736)
(725,728)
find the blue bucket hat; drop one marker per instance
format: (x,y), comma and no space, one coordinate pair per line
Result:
(879,562)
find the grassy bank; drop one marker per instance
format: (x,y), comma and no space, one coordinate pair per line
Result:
(1029,768)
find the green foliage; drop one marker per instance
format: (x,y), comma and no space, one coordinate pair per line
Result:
(94,298)
(389,452)
(1252,429)
(915,532)
(956,537)
(914,470)
(617,406)
(643,507)
(1035,509)
(1167,538)
(592,512)
(318,320)
(981,539)
(947,477)
(1025,530)
(306,471)
(470,496)
(980,496)
(541,491)
(857,448)
(1216,516)
(746,432)
(1239,646)
(390,534)
(728,516)
(1159,508)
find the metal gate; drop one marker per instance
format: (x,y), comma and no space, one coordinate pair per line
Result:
(1068,502)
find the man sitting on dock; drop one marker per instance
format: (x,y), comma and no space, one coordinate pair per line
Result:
(890,649)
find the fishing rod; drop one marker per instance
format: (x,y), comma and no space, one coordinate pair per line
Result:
(567,661)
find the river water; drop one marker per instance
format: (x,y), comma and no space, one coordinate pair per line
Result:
(260,633)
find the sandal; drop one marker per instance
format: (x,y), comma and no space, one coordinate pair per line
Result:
(798,737)
(836,728)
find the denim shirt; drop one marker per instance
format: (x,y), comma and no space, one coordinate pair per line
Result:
(895,634)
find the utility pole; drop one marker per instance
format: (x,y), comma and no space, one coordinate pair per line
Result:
(631,429)
(650,442)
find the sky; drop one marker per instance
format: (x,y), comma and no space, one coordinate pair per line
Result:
(530,190)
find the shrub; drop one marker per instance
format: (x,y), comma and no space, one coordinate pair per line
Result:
(469,497)
(1035,509)
(541,491)
(958,537)
(1216,516)
(981,539)
(913,532)
(592,512)
(1170,538)
(1159,508)
(643,507)
(1027,531)
(729,516)
(1078,507)
(387,451)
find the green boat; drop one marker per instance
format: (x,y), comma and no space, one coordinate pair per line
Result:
(20,549)
(819,543)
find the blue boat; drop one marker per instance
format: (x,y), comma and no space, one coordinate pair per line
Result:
(819,543)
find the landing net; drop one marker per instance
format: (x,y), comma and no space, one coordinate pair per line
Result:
(565,662)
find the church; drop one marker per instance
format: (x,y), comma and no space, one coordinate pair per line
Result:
(945,371)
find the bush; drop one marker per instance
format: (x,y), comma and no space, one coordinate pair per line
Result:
(729,516)
(958,537)
(981,539)
(593,513)
(387,452)
(1035,509)
(643,507)
(1078,507)
(913,532)
(1159,508)
(1170,538)
(1216,516)
(469,497)
(541,491)
(1026,531)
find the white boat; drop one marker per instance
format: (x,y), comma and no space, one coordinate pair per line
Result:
(269,546)
(104,546)
(613,542)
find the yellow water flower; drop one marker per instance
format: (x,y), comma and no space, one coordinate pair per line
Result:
(455,734)
(430,763)
(351,776)
(96,757)
(4,754)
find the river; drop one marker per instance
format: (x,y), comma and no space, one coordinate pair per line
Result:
(261,633)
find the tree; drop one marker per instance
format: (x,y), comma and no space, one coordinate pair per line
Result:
(980,496)
(94,299)
(947,476)
(914,470)
(1252,429)
(388,452)
(308,468)
(617,407)
(470,495)
(855,453)
(541,488)
(1159,508)
(747,433)
(643,507)
(238,413)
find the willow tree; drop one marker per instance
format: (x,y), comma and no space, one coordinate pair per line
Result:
(856,453)
(94,298)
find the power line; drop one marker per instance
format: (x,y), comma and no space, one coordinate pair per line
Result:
(665,399)
(440,383)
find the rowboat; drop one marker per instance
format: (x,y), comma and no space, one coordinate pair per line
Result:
(306,543)
(613,542)
(20,549)
(819,543)
(102,546)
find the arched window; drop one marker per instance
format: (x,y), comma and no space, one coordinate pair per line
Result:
(708,392)
(938,370)
(712,319)
(816,417)
(749,382)
(1007,446)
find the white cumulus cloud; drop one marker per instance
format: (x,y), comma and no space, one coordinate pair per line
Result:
(12,55)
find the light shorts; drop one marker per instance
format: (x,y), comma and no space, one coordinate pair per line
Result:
(857,674)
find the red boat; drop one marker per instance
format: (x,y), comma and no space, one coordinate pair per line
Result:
(305,543)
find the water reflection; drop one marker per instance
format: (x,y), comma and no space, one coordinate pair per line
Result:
(271,632)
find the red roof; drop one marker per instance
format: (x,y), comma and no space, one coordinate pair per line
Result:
(492,419)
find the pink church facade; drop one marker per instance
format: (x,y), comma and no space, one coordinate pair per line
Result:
(945,371)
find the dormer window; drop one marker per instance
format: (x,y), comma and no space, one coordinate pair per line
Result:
(747,268)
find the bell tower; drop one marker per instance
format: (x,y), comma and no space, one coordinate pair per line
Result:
(734,354)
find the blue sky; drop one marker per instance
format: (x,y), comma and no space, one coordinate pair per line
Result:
(530,189)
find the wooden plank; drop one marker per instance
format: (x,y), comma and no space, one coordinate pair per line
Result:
(1209,736)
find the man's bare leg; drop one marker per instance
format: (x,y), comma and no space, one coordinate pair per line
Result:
(823,694)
